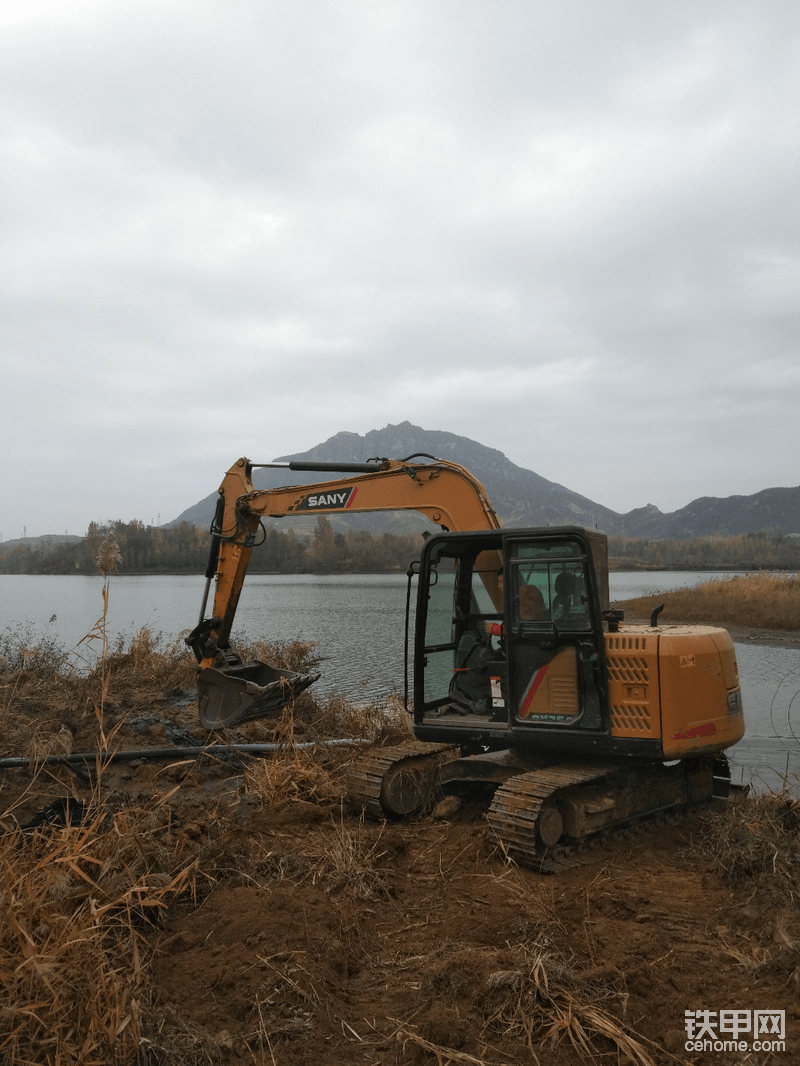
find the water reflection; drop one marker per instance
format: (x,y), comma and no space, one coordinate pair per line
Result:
(357,622)
(770,750)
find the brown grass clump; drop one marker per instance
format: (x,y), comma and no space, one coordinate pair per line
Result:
(534,1003)
(350,861)
(757,841)
(76,904)
(38,682)
(289,776)
(145,660)
(385,722)
(545,999)
(296,655)
(23,650)
(763,600)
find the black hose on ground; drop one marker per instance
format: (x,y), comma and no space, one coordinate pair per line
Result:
(11,762)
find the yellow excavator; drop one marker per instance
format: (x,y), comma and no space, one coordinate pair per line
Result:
(524,677)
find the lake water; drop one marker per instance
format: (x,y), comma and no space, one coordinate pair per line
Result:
(358,622)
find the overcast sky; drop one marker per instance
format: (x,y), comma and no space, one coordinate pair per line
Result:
(568,230)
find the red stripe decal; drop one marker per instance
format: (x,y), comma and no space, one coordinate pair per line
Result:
(352,497)
(532,689)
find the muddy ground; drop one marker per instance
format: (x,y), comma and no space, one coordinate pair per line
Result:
(306,935)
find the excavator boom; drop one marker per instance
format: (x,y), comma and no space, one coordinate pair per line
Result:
(232,692)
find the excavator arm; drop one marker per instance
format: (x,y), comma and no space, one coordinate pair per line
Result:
(444,492)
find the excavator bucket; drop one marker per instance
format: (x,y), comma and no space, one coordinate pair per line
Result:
(235,694)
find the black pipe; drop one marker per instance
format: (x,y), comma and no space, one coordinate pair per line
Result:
(409,574)
(345,468)
(12,762)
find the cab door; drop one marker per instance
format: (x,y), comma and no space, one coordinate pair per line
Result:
(554,641)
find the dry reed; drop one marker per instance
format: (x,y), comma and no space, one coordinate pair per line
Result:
(763,600)
(289,776)
(77,902)
(384,722)
(545,999)
(533,1005)
(757,841)
(445,1056)
(350,861)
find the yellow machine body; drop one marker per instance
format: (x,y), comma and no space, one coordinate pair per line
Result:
(679,684)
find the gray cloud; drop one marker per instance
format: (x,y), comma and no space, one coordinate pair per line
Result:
(567,230)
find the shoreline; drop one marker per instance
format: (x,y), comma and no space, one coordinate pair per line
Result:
(780,638)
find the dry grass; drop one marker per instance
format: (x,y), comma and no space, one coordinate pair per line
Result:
(22,649)
(445,1056)
(147,660)
(77,902)
(299,655)
(536,1004)
(41,683)
(38,684)
(170,1040)
(385,722)
(33,666)
(44,689)
(350,861)
(763,600)
(545,999)
(289,776)
(757,842)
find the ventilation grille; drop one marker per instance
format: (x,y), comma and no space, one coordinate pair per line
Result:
(615,642)
(628,669)
(630,718)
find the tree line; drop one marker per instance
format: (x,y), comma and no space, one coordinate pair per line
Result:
(183,549)
(766,550)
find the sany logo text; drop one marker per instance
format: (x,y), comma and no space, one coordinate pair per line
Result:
(338,500)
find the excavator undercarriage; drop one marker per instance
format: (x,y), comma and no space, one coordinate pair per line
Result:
(546,817)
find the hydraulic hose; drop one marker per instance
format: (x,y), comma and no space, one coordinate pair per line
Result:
(12,762)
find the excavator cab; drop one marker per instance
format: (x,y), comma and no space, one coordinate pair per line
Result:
(509,640)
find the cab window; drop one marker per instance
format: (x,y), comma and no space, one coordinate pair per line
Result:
(550,590)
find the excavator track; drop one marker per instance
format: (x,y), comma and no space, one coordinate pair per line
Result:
(523,818)
(397,780)
(547,820)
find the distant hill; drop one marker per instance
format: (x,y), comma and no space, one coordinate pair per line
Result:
(771,508)
(520,497)
(43,541)
(47,542)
